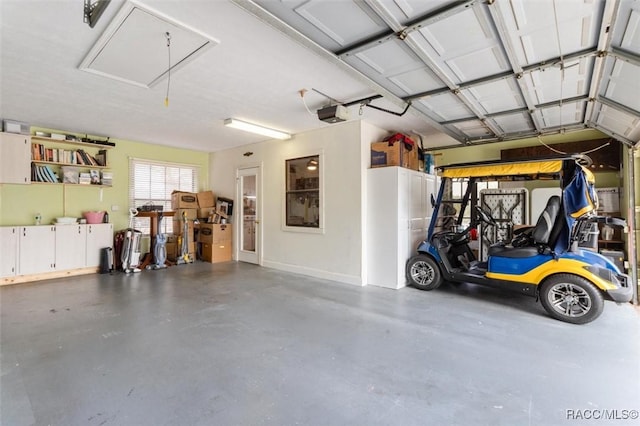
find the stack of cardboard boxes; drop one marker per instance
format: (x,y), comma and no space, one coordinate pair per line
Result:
(185,206)
(213,239)
(215,242)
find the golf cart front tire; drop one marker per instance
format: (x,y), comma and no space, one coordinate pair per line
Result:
(423,272)
(571,298)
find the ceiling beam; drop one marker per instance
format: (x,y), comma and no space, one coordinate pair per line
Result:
(275,22)
(403,30)
(625,55)
(616,105)
(507,46)
(514,136)
(582,98)
(408,37)
(609,15)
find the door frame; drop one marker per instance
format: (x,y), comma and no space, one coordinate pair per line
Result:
(238,212)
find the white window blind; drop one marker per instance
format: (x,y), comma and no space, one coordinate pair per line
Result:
(152,182)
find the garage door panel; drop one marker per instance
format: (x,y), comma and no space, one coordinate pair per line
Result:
(623,84)
(533,31)
(472,129)
(514,123)
(343,22)
(406,10)
(626,34)
(497,96)
(618,122)
(446,107)
(417,81)
(569,114)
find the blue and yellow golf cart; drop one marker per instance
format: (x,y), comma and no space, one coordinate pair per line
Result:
(547,260)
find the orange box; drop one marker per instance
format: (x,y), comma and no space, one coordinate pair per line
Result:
(216,252)
(213,233)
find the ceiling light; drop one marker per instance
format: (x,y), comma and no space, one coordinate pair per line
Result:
(312,165)
(254,128)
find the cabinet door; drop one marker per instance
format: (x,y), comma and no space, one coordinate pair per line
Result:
(417,208)
(15,158)
(98,237)
(70,246)
(8,251)
(37,249)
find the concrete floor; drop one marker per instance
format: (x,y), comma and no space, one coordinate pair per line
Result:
(236,344)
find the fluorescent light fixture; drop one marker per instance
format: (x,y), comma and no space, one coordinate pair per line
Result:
(254,128)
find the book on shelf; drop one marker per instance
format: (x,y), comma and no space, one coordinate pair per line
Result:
(107,178)
(58,155)
(84,178)
(43,173)
(101,157)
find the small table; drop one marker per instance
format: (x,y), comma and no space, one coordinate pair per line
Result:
(153,216)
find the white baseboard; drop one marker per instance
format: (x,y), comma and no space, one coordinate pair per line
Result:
(317,273)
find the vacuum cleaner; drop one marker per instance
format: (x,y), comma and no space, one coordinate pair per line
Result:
(130,255)
(184,257)
(159,248)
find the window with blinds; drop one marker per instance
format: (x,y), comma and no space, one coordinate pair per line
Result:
(152,182)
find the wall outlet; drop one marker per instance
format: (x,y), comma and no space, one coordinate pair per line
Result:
(115,208)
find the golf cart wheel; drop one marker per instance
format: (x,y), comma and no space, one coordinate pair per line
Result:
(571,299)
(423,272)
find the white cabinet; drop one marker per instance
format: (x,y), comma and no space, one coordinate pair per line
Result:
(98,237)
(49,251)
(398,217)
(70,246)
(8,251)
(15,158)
(36,248)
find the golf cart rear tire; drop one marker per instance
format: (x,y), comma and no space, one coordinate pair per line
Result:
(423,272)
(571,298)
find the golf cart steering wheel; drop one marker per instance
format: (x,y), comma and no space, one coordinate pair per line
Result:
(486,217)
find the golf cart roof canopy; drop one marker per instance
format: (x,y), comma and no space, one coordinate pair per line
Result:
(538,168)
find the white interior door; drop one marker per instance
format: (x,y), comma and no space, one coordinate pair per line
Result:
(249,212)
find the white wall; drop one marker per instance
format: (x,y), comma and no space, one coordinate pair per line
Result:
(336,254)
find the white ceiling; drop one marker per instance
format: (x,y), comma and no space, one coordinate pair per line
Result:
(474,71)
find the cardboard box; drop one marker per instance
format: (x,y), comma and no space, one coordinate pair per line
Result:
(176,251)
(206,199)
(192,214)
(215,233)
(171,250)
(217,252)
(383,155)
(184,200)
(206,212)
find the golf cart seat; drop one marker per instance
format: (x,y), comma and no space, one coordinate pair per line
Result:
(543,235)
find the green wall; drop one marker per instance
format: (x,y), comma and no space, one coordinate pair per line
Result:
(20,203)
(491,151)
